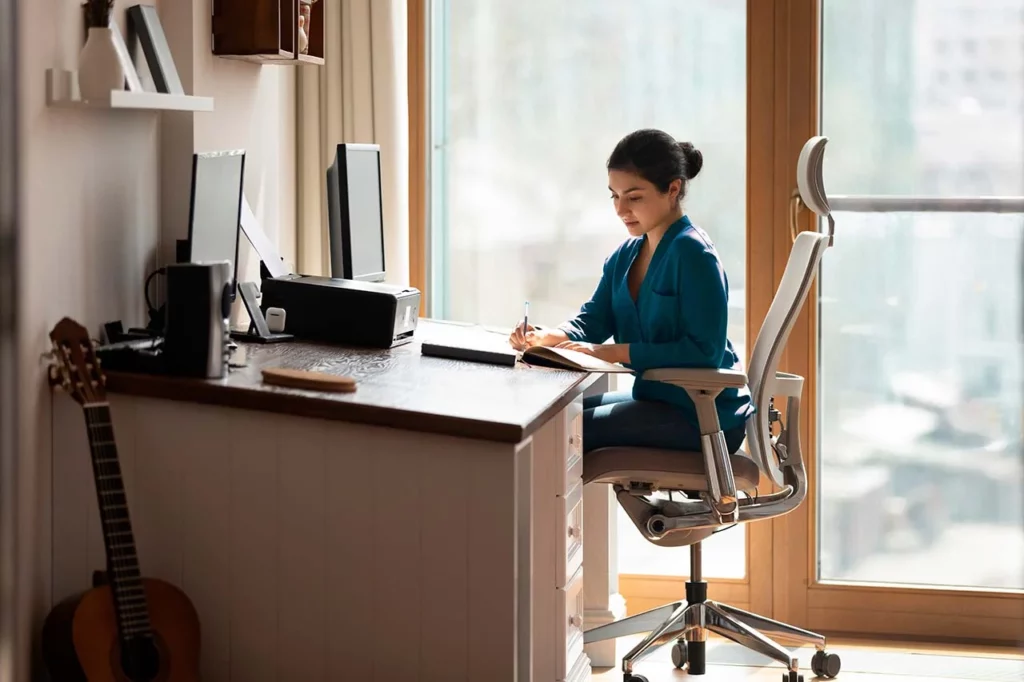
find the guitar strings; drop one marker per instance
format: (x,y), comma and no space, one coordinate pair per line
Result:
(126,578)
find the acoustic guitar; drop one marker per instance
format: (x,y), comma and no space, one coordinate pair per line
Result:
(126,628)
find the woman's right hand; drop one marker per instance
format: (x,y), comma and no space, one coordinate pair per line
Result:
(521,339)
(532,336)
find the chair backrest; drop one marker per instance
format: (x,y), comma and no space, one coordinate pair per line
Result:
(801,270)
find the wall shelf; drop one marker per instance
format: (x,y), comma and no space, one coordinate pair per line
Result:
(267,31)
(62,91)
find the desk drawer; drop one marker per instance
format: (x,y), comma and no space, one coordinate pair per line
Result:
(570,629)
(573,430)
(573,444)
(570,536)
(573,475)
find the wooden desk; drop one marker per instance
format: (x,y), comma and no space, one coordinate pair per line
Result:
(425,527)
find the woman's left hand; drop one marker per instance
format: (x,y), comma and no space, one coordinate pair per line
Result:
(597,350)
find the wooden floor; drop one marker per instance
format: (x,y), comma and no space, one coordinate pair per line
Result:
(862,662)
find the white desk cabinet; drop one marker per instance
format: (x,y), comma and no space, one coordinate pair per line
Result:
(405,532)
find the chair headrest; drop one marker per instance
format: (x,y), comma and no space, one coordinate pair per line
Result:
(809,180)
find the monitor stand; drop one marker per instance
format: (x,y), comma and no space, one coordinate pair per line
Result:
(258,331)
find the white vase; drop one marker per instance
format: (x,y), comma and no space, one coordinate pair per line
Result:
(99,68)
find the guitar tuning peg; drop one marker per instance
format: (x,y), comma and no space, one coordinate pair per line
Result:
(53,376)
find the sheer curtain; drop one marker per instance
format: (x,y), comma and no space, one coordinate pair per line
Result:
(359,95)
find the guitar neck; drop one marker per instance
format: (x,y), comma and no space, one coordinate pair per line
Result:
(122,559)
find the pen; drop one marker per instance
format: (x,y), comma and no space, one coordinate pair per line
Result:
(526,316)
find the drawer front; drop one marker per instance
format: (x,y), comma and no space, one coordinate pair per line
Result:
(573,430)
(571,628)
(573,474)
(570,536)
(572,434)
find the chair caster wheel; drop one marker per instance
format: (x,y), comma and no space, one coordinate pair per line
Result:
(630,677)
(792,676)
(679,656)
(824,664)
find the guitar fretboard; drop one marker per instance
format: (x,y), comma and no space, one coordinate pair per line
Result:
(122,560)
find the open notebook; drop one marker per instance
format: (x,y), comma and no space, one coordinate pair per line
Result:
(563,358)
(493,349)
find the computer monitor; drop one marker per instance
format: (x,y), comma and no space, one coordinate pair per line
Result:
(215,210)
(355,213)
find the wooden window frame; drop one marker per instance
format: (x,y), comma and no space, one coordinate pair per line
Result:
(798,596)
(780,579)
(418,66)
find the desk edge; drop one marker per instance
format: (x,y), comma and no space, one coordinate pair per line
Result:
(311,405)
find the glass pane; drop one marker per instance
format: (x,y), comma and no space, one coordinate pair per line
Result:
(920,379)
(923,98)
(921,405)
(529,98)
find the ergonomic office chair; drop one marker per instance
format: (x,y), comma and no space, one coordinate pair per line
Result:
(680,498)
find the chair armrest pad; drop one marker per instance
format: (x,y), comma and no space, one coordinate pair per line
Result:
(698,379)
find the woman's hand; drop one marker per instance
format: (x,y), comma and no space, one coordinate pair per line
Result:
(521,339)
(613,352)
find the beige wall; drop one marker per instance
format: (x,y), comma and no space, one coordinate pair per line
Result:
(102,190)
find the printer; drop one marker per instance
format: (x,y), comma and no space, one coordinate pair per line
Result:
(358,308)
(344,311)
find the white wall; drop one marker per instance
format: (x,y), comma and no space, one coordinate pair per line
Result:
(102,190)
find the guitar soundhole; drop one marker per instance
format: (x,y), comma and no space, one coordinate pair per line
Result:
(140,660)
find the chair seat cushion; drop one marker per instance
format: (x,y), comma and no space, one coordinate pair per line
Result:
(663,469)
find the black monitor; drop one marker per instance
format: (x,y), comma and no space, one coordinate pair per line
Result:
(215,210)
(355,213)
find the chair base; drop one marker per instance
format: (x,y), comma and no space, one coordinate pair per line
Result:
(688,623)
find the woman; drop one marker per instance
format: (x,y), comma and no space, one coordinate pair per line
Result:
(663,298)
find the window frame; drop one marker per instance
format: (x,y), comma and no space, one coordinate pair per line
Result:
(783,95)
(798,597)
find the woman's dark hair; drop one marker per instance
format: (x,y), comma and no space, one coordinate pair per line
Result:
(655,156)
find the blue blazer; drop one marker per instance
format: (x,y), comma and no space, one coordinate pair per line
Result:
(678,320)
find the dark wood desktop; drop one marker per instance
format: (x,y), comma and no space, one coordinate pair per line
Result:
(396,387)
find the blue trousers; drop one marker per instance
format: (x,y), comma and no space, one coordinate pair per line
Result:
(617,420)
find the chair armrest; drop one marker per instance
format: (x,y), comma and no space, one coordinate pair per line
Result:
(703,386)
(698,379)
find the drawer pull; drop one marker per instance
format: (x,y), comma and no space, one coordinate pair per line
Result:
(576,621)
(574,532)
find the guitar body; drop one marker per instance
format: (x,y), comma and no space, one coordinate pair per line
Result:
(80,636)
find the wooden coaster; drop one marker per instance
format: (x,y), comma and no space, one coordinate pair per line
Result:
(314,381)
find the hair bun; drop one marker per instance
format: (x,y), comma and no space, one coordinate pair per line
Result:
(694,159)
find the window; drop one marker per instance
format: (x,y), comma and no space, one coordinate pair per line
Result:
(528,100)
(920,455)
